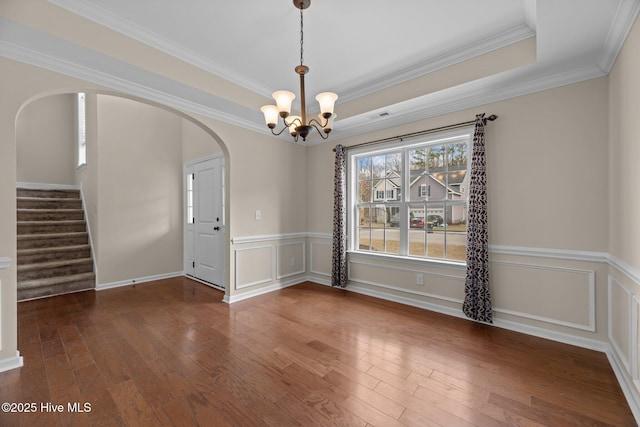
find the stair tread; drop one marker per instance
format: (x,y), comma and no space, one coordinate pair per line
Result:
(42,210)
(53,264)
(50,235)
(49,281)
(47,199)
(69,248)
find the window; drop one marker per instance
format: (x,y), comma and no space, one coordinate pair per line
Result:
(190,218)
(82,130)
(409,199)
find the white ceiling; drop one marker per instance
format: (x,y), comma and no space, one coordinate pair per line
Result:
(357,48)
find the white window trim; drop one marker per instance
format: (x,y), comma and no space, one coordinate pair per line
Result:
(352,183)
(81,131)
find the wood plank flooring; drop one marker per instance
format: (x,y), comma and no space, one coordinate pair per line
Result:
(170,353)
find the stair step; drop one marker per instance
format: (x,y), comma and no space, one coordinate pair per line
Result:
(45,227)
(37,288)
(48,203)
(50,214)
(31,241)
(36,255)
(54,268)
(46,193)
(54,255)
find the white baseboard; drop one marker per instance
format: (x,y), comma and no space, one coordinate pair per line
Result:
(276,287)
(11,362)
(628,388)
(129,282)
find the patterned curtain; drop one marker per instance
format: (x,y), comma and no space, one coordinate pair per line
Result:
(339,258)
(477,301)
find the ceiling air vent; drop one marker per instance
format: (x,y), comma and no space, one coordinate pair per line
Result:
(379,115)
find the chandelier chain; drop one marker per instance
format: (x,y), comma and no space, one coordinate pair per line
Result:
(301,38)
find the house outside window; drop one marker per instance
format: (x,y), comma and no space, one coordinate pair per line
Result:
(424,213)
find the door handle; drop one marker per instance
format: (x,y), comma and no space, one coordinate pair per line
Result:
(216,228)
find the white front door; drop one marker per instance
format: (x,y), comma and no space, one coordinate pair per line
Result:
(205,223)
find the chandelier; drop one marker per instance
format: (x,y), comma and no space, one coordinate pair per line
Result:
(298,125)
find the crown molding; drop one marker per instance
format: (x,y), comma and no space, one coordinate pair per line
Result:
(469,95)
(428,65)
(120,25)
(32,47)
(623,22)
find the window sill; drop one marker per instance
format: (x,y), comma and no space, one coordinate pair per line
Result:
(431,262)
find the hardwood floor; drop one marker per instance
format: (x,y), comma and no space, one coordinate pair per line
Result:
(171,353)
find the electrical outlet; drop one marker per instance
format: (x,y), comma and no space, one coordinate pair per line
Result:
(293,262)
(419,279)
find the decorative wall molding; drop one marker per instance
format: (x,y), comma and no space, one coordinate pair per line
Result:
(312,267)
(265,290)
(120,25)
(303,263)
(138,280)
(269,274)
(313,235)
(624,357)
(625,16)
(33,47)
(435,263)
(5,262)
(267,238)
(626,269)
(405,290)
(567,254)
(591,283)
(628,386)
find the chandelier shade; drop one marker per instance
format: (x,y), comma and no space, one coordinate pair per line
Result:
(298,125)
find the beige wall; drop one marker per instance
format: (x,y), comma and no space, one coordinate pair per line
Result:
(139,190)
(46,141)
(20,85)
(624,205)
(544,199)
(196,143)
(555,160)
(625,152)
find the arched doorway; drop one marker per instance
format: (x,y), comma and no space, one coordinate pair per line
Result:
(132,181)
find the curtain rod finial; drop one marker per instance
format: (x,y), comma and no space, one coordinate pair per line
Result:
(492,117)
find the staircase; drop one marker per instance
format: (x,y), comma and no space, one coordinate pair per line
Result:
(54,255)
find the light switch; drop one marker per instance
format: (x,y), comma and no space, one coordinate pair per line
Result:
(258,215)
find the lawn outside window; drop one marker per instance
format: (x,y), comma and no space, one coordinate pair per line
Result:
(409,199)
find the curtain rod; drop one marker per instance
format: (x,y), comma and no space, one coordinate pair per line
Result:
(420,133)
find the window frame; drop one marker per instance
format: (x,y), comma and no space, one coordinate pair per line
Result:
(404,146)
(81,130)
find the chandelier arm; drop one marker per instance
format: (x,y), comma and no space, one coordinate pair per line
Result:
(278,133)
(318,123)
(322,135)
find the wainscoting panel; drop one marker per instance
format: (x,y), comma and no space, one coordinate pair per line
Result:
(321,258)
(524,290)
(290,259)
(620,315)
(446,287)
(254,266)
